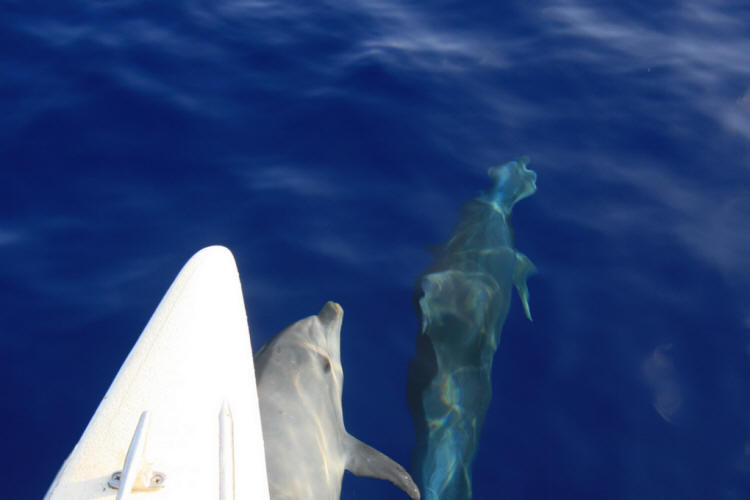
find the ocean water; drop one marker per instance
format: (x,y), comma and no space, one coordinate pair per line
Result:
(330,145)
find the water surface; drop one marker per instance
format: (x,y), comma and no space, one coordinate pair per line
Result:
(330,147)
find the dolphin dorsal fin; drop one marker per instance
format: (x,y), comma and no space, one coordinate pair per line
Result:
(364,460)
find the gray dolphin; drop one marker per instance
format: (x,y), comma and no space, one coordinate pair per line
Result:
(300,380)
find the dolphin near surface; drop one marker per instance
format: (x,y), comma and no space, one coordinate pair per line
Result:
(300,381)
(464,298)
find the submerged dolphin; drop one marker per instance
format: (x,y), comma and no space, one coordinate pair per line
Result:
(463,300)
(300,379)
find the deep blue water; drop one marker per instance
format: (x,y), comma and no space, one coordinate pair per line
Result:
(329,145)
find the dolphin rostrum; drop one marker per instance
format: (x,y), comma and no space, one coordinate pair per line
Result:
(300,380)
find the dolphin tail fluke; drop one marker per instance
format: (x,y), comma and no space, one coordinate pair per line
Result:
(364,460)
(524,268)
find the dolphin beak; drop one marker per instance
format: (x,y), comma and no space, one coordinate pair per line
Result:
(331,317)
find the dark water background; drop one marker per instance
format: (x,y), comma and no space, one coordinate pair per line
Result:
(328,145)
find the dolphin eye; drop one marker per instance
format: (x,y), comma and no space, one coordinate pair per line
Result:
(326,366)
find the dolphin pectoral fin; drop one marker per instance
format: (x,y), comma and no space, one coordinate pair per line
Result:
(524,268)
(364,460)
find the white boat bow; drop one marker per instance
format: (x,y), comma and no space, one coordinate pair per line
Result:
(181,418)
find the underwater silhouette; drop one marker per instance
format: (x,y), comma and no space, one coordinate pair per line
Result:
(463,300)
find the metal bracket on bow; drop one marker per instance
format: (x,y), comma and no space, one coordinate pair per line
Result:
(135,475)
